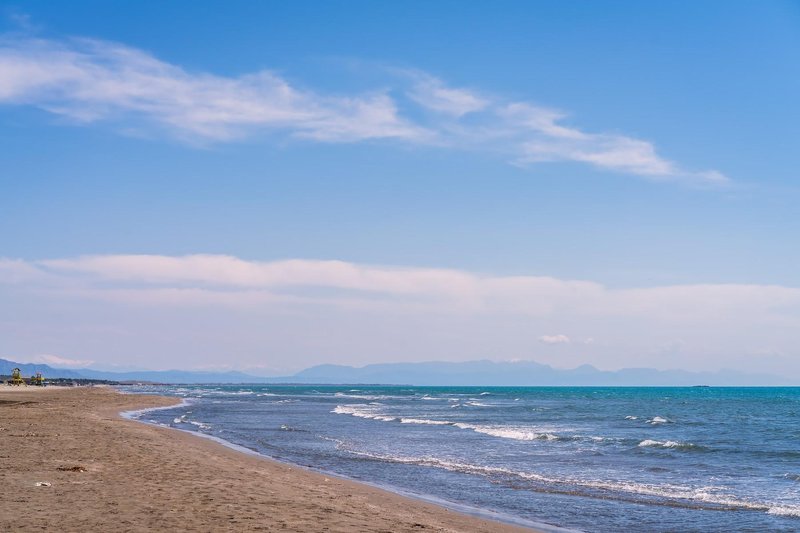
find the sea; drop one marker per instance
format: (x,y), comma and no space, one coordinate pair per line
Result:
(585,459)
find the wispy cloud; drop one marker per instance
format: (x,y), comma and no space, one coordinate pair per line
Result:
(433,94)
(88,81)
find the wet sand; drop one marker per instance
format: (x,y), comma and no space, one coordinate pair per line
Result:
(111,474)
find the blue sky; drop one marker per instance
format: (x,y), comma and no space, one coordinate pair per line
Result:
(630,146)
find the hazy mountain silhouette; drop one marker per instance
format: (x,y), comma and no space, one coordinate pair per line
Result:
(30,369)
(523,373)
(484,373)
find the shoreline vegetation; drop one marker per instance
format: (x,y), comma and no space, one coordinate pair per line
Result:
(71,462)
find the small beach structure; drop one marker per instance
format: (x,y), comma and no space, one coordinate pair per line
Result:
(16,377)
(37,380)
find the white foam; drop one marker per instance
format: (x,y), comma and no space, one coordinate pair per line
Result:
(659,420)
(664,444)
(785,510)
(136,413)
(200,425)
(362,411)
(425,421)
(516,433)
(504,432)
(629,417)
(362,396)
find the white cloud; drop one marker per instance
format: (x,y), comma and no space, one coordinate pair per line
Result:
(549,140)
(90,81)
(432,93)
(227,271)
(278,310)
(58,361)
(554,339)
(218,278)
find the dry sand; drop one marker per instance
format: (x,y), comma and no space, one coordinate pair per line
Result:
(111,474)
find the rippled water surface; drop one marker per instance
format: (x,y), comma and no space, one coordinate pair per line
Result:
(594,459)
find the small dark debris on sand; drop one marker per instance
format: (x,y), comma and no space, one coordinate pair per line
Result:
(76,468)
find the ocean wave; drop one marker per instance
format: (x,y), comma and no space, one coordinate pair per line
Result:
(503,432)
(659,420)
(631,417)
(363,411)
(508,432)
(202,393)
(428,398)
(785,510)
(647,443)
(200,425)
(285,427)
(425,421)
(708,497)
(363,396)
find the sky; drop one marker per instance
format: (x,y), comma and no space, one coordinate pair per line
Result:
(267,186)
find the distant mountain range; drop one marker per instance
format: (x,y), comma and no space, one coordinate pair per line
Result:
(483,373)
(157,376)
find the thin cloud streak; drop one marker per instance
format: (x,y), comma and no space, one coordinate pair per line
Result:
(218,278)
(89,81)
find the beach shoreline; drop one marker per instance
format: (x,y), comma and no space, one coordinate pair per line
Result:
(106,471)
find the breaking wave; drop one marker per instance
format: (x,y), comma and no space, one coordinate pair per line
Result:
(517,433)
(708,497)
(648,443)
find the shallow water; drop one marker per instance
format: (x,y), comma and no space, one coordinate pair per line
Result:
(595,459)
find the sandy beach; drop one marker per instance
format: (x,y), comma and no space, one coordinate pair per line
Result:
(106,473)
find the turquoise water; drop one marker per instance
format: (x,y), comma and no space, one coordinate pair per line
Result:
(594,459)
